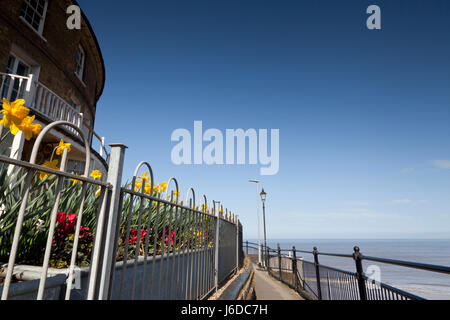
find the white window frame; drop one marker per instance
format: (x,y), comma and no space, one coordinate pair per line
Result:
(83,63)
(13,70)
(34,68)
(40,31)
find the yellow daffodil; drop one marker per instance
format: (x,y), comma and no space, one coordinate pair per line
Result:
(51,165)
(13,113)
(137,187)
(62,146)
(144,177)
(96,174)
(140,180)
(157,188)
(162,186)
(74,181)
(148,188)
(27,127)
(15,117)
(98,192)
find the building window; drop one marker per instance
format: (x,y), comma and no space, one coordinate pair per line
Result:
(79,67)
(33,12)
(14,89)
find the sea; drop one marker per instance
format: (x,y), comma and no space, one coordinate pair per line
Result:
(429,285)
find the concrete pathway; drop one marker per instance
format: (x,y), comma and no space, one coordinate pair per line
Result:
(267,288)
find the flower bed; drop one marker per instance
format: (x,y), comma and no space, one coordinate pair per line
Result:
(36,224)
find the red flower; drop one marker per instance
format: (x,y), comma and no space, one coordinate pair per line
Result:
(61,218)
(66,227)
(172,237)
(72,218)
(85,234)
(84,230)
(133,236)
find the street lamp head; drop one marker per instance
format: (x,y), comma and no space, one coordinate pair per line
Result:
(263,195)
(255,181)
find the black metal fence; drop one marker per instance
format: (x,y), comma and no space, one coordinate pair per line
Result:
(320,282)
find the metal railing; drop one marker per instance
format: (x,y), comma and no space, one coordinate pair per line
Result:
(72,237)
(47,103)
(181,240)
(13,86)
(323,282)
(103,151)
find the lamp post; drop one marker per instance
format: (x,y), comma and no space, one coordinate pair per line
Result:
(263,195)
(257,214)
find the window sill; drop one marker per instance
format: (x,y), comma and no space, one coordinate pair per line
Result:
(34,30)
(81,80)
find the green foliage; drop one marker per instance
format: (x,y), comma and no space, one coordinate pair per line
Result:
(42,195)
(164,220)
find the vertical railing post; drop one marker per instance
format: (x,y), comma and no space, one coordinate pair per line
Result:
(80,124)
(329,287)
(316,265)
(102,146)
(16,149)
(360,274)
(114,178)
(246,247)
(279,262)
(217,241)
(29,95)
(241,246)
(237,243)
(294,268)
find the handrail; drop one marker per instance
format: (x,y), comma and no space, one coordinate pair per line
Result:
(102,143)
(321,265)
(363,290)
(39,84)
(49,104)
(401,263)
(64,174)
(408,264)
(42,102)
(179,205)
(339,255)
(14,76)
(24,85)
(303,251)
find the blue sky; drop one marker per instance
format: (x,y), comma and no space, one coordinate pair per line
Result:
(363,115)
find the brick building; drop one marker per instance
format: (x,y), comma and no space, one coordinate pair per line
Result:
(59,72)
